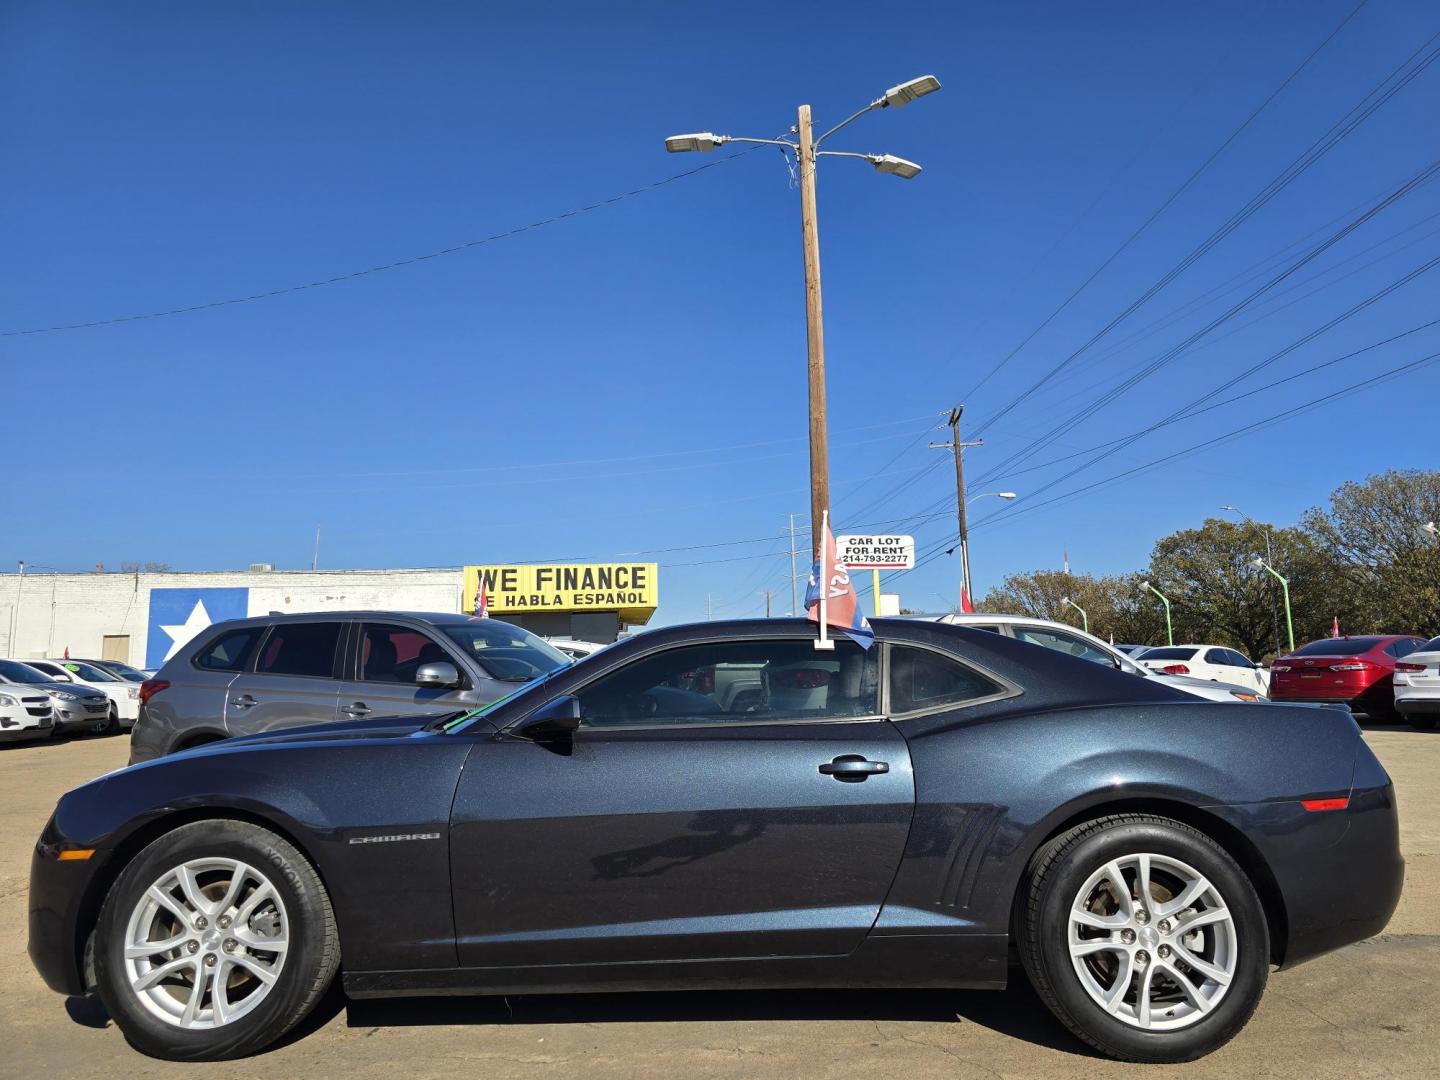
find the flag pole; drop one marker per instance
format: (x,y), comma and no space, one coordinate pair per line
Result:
(823,642)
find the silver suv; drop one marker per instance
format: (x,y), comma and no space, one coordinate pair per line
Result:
(279,671)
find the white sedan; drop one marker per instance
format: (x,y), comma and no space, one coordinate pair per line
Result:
(1211,662)
(1417,686)
(124,696)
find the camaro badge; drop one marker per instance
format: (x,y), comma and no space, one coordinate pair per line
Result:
(394,838)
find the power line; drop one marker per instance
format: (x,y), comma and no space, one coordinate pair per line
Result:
(1160,210)
(398,264)
(1332,137)
(1171,354)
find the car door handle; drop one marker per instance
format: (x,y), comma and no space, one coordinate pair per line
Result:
(357,710)
(853,768)
(244,701)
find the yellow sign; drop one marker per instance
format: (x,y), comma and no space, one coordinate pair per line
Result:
(632,589)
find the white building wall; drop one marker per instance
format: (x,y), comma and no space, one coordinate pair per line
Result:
(45,614)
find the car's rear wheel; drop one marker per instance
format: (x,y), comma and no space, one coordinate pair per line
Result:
(112,725)
(215,941)
(1144,937)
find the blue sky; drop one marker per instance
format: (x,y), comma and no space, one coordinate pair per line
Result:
(632,379)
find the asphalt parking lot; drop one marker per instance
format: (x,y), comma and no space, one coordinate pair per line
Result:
(1367,1011)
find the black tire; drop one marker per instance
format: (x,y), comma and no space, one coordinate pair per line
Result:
(1054,878)
(1421,723)
(309,966)
(112,725)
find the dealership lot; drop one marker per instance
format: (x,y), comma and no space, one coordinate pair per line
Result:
(1368,1010)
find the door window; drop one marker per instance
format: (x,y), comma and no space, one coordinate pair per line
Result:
(1402,648)
(229,652)
(1218,657)
(392,654)
(746,681)
(1063,642)
(300,649)
(921,679)
(1239,659)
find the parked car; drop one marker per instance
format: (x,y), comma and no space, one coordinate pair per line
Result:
(25,713)
(280,671)
(124,696)
(1354,671)
(575,648)
(122,671)
(77,707)
(1416,684)
(950,795)
(1207,662)
(1067,639)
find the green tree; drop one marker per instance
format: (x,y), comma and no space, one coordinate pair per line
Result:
(1220,597)
(1385,562)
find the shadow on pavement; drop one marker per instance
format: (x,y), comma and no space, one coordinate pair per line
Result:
(1016,1011)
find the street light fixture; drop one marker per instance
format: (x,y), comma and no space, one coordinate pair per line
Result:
(1261,564)
(907,92)
(1169,628)
(806,148)
(1081,610)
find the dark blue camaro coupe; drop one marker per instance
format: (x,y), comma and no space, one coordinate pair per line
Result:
(724,805)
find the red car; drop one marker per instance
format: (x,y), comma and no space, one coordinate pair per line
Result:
(1355,671)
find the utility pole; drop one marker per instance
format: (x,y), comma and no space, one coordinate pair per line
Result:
(794,605)
(709,610)
(967,594)
(767,603)
(315,562)
(806,149)
(814,326)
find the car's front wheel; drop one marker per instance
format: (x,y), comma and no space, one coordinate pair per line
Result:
(215,940)
(1144,937)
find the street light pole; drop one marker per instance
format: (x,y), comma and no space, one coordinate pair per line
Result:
(1080,609)
(1169,627)
(814,328)
(1261,564)
(807,151)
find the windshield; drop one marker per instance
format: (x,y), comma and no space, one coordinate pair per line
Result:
(88,672)
(1338,646)
(128,673)
(1168,653)
(10,671)
(506,652)
(1433,645)
(450,724)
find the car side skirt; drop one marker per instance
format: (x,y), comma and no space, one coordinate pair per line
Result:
(967,962)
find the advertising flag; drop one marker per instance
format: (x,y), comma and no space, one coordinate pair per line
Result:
(965,604)
(1335,626)
(482,601)
(830,598)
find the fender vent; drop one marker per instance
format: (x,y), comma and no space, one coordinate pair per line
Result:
(975,828)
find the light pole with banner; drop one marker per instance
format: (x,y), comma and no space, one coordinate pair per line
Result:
(806,148)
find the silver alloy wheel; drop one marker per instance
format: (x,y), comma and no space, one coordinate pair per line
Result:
(206,942)
(1152,942)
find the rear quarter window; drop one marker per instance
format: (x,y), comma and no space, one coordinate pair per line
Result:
(228,652)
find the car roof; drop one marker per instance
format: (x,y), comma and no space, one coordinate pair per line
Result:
(437,618)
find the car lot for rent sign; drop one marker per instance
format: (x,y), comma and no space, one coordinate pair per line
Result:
(876,552)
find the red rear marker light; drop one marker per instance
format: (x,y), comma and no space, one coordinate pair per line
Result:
(1175,669)
(1314,805)
(1403,665)
(150,687)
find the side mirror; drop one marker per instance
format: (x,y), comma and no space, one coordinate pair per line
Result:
(440,675)
(556,719)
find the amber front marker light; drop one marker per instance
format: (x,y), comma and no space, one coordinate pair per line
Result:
(75,854)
